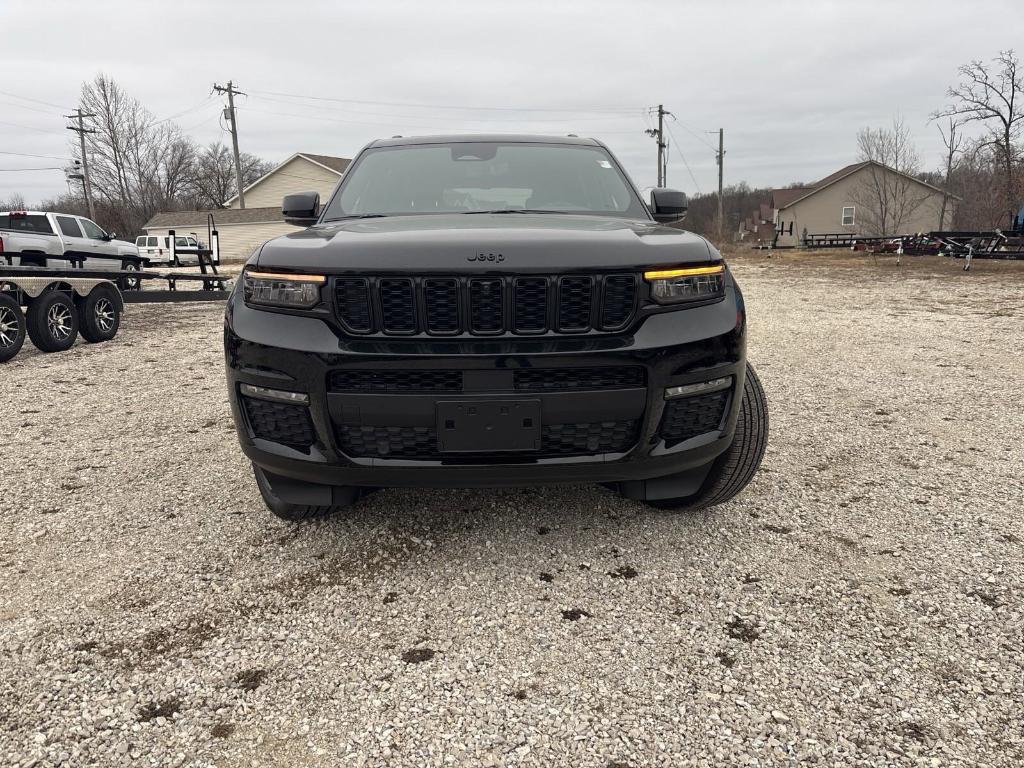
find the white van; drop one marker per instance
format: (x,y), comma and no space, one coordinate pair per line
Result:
(157,249)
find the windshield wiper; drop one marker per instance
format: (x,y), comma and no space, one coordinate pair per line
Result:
(358,216)
(513,210)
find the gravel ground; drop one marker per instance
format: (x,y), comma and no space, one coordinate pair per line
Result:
(859,604)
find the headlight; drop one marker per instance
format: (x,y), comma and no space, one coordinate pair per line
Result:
(675,286)
(282,290)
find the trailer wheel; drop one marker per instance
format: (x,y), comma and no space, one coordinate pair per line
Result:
(52,322)
(12,328)
(100,314)
(130,283)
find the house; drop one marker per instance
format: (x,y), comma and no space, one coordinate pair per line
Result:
(242,229)
(846,202)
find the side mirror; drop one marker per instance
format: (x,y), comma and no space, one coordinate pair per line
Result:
(302,208)
(668,205)
(112,236)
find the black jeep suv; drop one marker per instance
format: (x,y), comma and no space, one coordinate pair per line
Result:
(491,311)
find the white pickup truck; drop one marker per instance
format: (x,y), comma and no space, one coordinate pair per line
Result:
(61,240)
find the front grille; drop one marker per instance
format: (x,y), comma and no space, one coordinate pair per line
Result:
(485,306)
(397,310)
(581,439)
(395,381)
(542,379)
(687,417)
(519,379)
(279,422)
(352,300)
(575,298)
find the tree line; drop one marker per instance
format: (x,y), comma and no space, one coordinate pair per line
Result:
(140,165)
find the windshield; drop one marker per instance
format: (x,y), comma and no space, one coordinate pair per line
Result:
(463,177)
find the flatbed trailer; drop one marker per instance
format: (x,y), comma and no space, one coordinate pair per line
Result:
(214,286)
(62,304)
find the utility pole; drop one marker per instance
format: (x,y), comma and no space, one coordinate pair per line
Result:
(229,89)
(81,130)
(659,136)
(720,156)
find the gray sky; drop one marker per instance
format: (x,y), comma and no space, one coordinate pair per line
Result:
(790,82)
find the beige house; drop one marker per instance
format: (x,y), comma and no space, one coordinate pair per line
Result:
(241,230)
(867,198)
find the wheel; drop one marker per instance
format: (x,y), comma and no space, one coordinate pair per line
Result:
(735,468)
(100,314)
(340,498)
(52,322)
(129,283)
(12,328)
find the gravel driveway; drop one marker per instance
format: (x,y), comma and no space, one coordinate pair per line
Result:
(859,604)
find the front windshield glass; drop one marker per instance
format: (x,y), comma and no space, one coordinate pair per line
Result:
(463,177)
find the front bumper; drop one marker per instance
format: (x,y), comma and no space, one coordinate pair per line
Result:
(295,353)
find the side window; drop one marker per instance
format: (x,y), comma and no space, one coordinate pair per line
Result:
(26,222)
(91,230)
(192,242)
(152,242)
(848,212)
(68,226)
(140,241)
(181,242)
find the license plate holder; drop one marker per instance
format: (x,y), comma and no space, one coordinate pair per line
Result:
(488,426)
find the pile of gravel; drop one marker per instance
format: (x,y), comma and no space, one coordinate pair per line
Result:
(859,604)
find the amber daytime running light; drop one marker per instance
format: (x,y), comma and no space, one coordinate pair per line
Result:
(675,286)
(274,289)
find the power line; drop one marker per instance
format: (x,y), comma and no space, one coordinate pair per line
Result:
(26,106)
(452,107)
(377,113)
(693,133)
(28,127)
(37,101)
(675,143)
(208,100)
(25,154)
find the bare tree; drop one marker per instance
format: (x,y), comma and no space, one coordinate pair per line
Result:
(15,202)
(993,94)
(952,139)
(215,174)
(888,194)
(138,164)
(976,180)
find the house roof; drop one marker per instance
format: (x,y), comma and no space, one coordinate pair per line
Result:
(783,197)
(839,175)
(330,162)
(221,216)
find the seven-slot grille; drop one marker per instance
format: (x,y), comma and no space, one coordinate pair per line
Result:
(485,306)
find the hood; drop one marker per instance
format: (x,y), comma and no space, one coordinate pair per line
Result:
(473,243)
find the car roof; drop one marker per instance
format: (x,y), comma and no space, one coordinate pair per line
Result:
(478,138)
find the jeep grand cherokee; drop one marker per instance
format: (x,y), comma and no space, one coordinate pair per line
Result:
(491,311)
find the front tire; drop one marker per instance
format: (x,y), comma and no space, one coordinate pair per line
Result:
(52,322)
(298,512)
(12,328)
(100,314)
(734,469)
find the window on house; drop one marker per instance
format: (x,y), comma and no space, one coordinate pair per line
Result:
(848,216)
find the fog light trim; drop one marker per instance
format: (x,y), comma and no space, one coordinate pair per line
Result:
(686,390)
(275,395)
